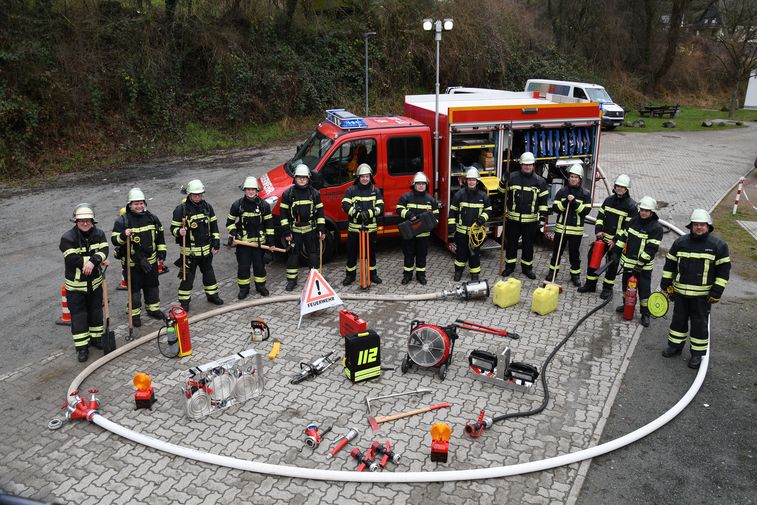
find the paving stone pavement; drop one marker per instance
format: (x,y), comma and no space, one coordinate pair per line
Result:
(83,463)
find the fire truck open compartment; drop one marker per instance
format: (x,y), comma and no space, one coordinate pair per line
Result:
(489,131)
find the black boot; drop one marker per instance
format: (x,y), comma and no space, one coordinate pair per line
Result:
(82,354)
(260,288)
(349,278)
(136,321)
(695,361)
(97,343)
(184,305)
(156,314)
(458,275)
(291,284)
(474,277)
(243,292)
(421,277)
(407,277)
(575,279)
(606,292)
(375,278)
(588,287)
(529,272)
(508,271)
(645,320)
(620,308)
(214,299)
(671,351)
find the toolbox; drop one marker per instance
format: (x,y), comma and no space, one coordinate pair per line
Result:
(362,356)
(349,322)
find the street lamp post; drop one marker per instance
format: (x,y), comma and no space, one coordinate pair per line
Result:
(366,35)
(438,26)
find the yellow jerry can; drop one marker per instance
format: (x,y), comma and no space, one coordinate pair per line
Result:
(507,292)
(544,300)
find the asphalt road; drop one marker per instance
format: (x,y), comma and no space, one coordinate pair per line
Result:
(707,453)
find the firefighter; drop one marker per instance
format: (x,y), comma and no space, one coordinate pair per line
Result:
(302,223)
(364,203)
(636,246)
(85,253)
(572,203)
(195,222)
(696,272)
(148,245)
(526,206)
(250,220)
(470,206)
(614,215)
(410,206)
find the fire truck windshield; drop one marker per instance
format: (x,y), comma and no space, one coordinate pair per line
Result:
(310,152)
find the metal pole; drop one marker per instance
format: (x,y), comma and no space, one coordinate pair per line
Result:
(366,35)
(438,38)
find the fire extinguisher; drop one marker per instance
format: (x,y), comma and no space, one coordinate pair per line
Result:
(629,305)
(178,320)
(597,253)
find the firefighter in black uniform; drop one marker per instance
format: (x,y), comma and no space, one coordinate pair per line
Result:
(614,215)
(85,253)
(195,221)
(470,206)
(250,220)
(148,245)
(302,223)
(526,206)
(411,205)
(364,203)
(696,272)
(636,246)
(574,202)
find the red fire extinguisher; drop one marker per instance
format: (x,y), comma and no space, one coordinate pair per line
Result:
(178,319)
(629,305)
(597,253)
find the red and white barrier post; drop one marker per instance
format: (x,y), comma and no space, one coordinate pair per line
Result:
(738,196)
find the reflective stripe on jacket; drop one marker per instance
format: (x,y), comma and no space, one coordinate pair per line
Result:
(77,249)
(697,266)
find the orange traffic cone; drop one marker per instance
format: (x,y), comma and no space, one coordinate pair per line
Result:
(65,318)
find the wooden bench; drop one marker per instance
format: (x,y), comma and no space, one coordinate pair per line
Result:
(660,110)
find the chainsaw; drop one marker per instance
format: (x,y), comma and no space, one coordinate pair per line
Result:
(315,368)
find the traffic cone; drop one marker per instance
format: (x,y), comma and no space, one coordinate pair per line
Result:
(122,286)
(65,318)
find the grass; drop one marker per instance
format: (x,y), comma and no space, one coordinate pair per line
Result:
(742,246)
(689,119)
(198,138)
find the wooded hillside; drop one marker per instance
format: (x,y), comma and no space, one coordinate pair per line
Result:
(78,75)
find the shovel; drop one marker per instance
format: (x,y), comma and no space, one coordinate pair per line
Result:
(130,336)
(559,248)
(109,336)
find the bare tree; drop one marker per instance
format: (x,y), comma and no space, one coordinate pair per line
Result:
(737,38)
(675,22)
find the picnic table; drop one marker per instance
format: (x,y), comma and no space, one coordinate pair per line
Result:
(659,110)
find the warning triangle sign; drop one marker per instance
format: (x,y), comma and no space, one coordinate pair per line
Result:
(318,294)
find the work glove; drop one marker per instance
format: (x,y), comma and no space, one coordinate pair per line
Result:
(410,215)
(358,217)
(230,242)
(637,269)
(480,220)
(267,257)
(671,292)
(216,244)
(366,215)
(711,300)
(162,256)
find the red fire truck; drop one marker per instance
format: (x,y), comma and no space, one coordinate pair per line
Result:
(487,129)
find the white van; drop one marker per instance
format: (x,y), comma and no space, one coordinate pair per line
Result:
(612,114)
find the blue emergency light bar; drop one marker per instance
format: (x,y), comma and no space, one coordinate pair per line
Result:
(344,119)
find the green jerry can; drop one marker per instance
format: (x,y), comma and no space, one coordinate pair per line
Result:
(362,356)
(507,292)
(544,300)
